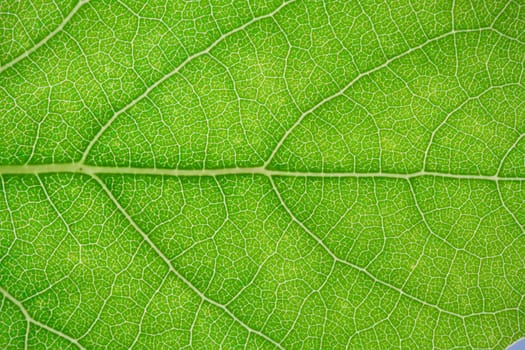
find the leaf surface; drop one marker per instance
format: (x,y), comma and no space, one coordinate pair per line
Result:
(262,174)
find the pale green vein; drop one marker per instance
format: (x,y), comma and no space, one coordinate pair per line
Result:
(365,271)
(31,320)
(48,37)
(77,168)
(167,261)
(458,108)
(174,72)
(359,77)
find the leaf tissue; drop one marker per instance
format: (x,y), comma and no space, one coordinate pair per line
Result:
(248,174)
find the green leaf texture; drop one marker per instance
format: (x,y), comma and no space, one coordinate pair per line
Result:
(262,174)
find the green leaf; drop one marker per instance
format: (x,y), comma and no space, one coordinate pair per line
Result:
(262,174)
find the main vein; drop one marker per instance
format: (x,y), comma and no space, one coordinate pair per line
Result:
(78,168)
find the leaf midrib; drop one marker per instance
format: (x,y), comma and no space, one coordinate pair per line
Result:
(86,169)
